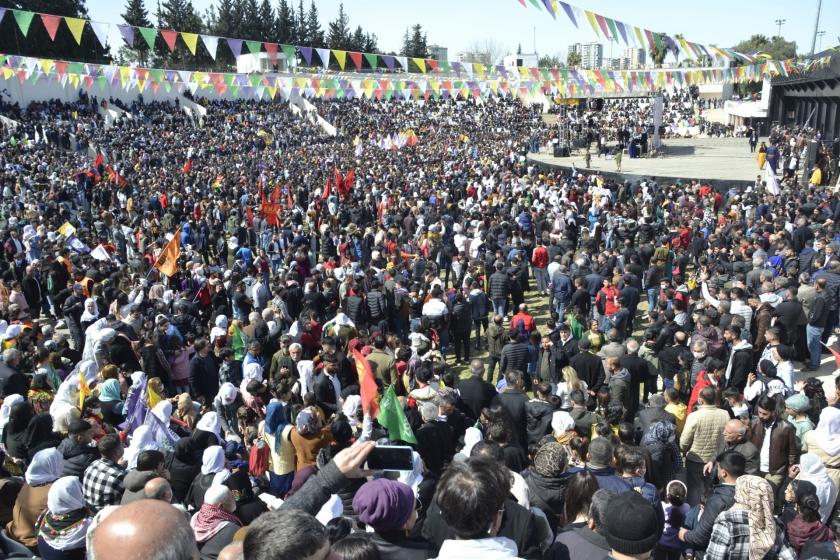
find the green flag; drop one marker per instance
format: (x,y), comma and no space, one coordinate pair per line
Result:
(392,417)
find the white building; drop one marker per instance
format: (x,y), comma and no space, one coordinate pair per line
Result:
(635,58)
(528,60)
(472,56)
(591,54)
(250,63)
(437,52)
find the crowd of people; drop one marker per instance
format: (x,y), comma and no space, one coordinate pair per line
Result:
(582,368)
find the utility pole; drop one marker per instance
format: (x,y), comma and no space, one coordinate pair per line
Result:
(535,39)
(816,26)
(780,23)
(820,34)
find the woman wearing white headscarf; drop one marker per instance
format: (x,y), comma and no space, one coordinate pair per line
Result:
(813,470)
(220,329)
(208,431)
(142,439)
(824,442)
(6,410)
(90,314)
(63,526)
(159,421)
(45,468)
(471,437)
(213,471)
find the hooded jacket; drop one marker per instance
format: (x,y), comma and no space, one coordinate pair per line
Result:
(538,414)
(134,482)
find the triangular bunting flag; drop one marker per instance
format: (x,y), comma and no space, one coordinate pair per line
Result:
(421,64)
(211,43)
(24,20)
(100,29)
(235,46)
(127,33)
(403,60)
(290,53)
(149,34)
(271,49)
(77,26)
(191,40)
(51,24)
(2,14)
(341,57)
(169,37)
(306,52)
(371,59)
(325,56)
(254,47)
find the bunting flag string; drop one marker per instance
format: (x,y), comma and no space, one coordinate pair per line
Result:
(564,83)
(602,26)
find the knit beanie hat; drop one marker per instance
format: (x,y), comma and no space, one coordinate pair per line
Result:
(798,402)
(631,525)
(384,504)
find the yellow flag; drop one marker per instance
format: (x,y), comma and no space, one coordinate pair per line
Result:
(84,390)
(76,26)
(340,56)
(152,397)
(421,64)
(67,229)
(191,39)
(167,262)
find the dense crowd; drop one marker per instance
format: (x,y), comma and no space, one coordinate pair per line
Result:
(582,368)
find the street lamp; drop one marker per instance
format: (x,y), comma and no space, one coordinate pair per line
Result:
(820,35)
(780,23)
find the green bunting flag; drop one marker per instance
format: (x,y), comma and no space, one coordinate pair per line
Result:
(24,20)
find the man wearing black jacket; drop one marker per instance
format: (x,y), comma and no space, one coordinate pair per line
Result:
(476,393)
(514,400)
(730,466)
(817,321)
(589,367)
(326,386)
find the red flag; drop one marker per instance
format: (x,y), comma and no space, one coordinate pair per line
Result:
(327,190)
(347,183)
(339,182)
(289,202)
(250,215)
(99,159)
(367,384)
(187,167)
(276,194)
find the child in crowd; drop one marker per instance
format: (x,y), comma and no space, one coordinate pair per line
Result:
(675,510)
(740,409)
(676,407)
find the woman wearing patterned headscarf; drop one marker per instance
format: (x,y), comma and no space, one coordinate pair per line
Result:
(547,480)
(661,441)
(748,530)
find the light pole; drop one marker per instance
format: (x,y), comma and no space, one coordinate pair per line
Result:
(820,34)
(780,23)
(816,26)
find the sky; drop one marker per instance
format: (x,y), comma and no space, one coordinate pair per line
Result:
(459,24)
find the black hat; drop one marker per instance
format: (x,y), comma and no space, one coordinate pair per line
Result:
(79,427)
(631,525)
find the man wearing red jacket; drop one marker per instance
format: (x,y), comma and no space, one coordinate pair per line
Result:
(606,301)
(539,264)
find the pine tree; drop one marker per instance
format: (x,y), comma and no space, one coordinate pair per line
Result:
(414,42)
(179,15)
(267,29)
(250,21)
(371,43)
(224,23)
(284,28)
(137,15)
(301,31)
(313,26)
(338,32)
(357,40)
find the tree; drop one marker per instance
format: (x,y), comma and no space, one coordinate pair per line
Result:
(250,27)
(301,35)
(519,48)
(179,15)
(486,52)
(285,26)
(658,50)
(223,22)
(550,61)
(338,31)
(371,43)
(37,41)
(777,47)
(266,17)
(315,34)
(137,15)
(573,59)
(414,42)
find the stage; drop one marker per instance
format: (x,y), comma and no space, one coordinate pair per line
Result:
(721,162)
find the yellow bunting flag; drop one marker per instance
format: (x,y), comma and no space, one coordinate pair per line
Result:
(67,229)
(191,39)
(76,26)
(340,56)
